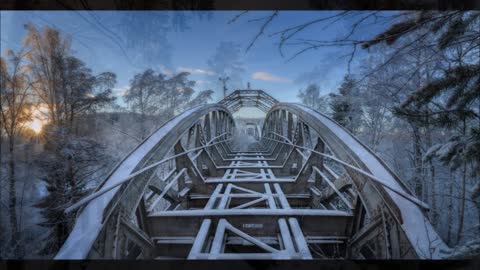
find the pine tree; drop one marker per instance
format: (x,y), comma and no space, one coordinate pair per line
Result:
(454,95)
(346,109)
(452,98)
(70,163)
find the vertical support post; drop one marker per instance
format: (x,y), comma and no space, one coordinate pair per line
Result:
(207,127)
(301,133)
(220,123)
(318,159)
(386,239)
(180,164)
(300,141)
(191,134)
(204,159)
(214,124)
(290,126)
(279,122)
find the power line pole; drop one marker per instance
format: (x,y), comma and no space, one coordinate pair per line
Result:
(224,82)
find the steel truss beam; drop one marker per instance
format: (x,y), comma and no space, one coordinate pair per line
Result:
(192,190)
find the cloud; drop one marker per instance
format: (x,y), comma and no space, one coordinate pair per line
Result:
(120,91)
(196,71)
(264,76)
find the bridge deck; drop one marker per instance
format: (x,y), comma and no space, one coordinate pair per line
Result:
(253,205)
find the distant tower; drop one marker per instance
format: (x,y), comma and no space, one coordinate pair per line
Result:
(224,81)
(248,85)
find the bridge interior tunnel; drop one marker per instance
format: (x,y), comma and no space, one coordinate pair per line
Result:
(204,186)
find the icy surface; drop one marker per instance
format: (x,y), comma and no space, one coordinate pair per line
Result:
(89,222)
(422,235)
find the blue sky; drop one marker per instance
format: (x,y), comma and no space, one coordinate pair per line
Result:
(100,41)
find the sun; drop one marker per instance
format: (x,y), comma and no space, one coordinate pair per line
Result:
(36,125)
(38,119)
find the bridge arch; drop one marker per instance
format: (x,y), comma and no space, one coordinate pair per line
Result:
(248,98)
(304,184)
(405,215)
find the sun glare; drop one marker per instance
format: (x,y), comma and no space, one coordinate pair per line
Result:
(38,119)
(36,125)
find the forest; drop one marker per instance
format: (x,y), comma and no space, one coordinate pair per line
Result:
(410,92)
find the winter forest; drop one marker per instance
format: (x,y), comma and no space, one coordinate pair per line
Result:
(76,98)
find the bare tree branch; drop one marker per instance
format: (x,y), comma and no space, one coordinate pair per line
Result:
(262,29)
(234,19)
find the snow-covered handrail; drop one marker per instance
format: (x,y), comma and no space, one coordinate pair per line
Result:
(97,194)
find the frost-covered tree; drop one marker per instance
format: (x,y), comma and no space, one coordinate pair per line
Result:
(178,90)
(69,90)
(48,51)
(63,82)
(15,111)
(70,163)
(346,109)
(454,92)
(451,97)
(312,98)
(152,94)
(203,97)
(375,104)
(143,96)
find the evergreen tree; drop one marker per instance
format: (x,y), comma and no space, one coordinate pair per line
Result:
(70,163)
(451,99)
(346,109)
(454,95)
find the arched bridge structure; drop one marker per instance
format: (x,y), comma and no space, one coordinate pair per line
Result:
(304,188)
